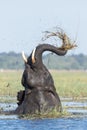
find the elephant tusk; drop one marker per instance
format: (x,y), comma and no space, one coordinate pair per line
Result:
(33,56)
(24,57)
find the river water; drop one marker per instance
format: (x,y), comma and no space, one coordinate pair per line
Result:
(77,122)
(45,124)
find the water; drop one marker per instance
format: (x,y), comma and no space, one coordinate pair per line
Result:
(45,124)
(78,122)
(76,108)
(8,106)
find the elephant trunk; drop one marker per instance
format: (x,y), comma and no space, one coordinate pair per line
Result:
(37,53)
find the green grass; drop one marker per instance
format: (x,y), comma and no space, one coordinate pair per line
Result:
(10,83)
(71,84)
(51,114)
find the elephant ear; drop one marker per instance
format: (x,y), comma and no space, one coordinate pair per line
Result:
(33,56)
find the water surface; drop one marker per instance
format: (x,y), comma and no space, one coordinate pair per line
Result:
(45,124)
(77,122)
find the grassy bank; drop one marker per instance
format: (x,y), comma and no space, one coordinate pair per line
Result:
(71,84)
(10,83)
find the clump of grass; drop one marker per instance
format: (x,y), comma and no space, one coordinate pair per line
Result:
(51,114)
(67,44)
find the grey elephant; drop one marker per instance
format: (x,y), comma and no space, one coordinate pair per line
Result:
(40,93)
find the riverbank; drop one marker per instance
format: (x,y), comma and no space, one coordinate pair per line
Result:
(71,84)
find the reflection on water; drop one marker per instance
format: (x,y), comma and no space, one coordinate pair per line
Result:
(12,122)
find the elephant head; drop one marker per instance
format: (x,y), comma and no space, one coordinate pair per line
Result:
(36,74)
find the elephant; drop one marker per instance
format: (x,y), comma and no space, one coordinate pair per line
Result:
(39,94)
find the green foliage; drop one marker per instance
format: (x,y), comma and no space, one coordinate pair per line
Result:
(13,60)
(67,62)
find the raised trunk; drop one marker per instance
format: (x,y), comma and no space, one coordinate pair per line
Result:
(40,49)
